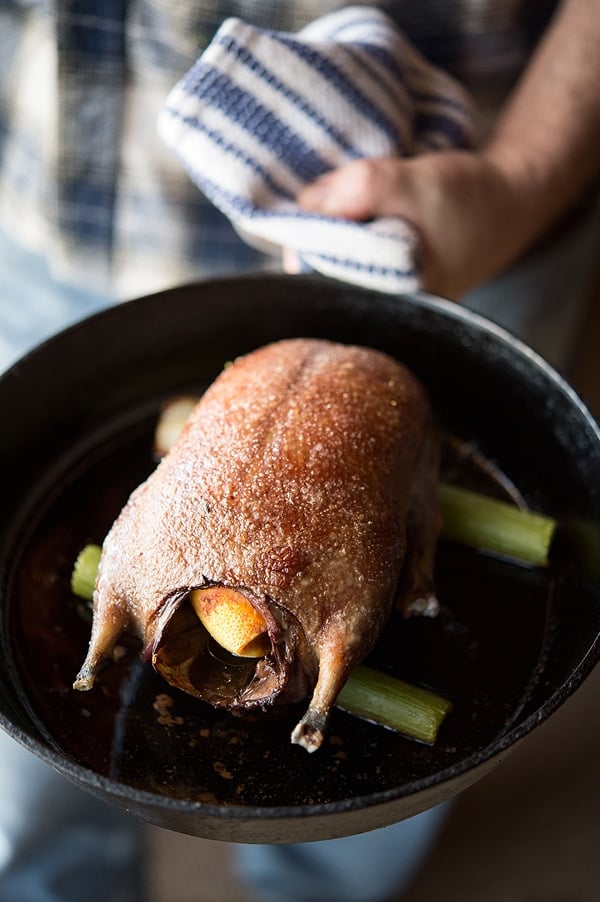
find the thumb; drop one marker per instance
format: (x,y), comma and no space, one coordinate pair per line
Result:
(359,190)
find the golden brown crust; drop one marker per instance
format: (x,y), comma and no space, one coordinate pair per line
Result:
(291,481)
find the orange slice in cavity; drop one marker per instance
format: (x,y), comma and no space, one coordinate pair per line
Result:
(232,621)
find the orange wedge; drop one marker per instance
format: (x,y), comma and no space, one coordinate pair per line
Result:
(232,621)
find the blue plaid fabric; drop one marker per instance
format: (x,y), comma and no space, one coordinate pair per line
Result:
(84,177)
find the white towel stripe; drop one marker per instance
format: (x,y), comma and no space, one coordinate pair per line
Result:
(231,139)
(291,101)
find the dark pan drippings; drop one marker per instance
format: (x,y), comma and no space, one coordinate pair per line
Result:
(485,651)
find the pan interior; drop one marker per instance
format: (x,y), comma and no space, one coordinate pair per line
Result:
(135,728)
(510,645)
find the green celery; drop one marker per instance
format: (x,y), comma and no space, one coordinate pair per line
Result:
(83,577)
(496,526)
(383,699)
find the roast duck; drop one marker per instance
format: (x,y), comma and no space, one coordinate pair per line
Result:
(260,561)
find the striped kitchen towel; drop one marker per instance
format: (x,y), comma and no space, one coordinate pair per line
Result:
(263,113)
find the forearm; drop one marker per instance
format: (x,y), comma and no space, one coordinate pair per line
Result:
(477,212)
(547,141)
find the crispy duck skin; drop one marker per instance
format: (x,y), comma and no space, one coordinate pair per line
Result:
(306,480)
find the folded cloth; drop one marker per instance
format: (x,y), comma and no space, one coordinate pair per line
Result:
(263,113)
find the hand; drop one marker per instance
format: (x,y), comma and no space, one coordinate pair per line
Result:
(463,205)
(478,212)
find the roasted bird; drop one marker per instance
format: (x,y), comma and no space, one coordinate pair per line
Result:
(260,561)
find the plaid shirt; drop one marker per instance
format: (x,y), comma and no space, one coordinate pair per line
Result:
(84,178)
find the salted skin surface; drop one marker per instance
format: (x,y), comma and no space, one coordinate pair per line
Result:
(305,478)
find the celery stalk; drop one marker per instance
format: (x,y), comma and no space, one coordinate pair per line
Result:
(83,577)
(495,526)
(411,710)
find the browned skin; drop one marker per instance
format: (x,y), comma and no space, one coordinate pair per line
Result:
(294,481)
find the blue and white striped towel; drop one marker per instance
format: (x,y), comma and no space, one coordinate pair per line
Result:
(263,113)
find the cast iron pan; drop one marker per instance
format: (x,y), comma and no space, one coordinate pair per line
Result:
(511,643)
